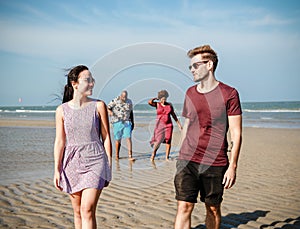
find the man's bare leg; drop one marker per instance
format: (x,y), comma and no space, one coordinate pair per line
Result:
(183,216)
(129,145)
(118,146)
(213,216)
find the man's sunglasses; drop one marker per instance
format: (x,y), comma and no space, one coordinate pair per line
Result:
(197,64)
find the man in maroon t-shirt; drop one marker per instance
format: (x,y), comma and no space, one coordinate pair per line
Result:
(211,108)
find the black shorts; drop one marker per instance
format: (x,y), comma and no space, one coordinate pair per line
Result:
(192,177)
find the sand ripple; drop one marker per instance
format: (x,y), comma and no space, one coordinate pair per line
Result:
(142,194)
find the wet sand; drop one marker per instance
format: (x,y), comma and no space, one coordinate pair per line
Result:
(141,194)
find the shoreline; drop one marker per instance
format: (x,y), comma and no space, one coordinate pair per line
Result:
(5,122)
(26,123)
(36,123)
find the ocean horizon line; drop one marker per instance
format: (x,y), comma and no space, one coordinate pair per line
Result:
(257,107)
(145,103)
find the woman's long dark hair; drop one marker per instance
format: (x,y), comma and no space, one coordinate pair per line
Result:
(72,77)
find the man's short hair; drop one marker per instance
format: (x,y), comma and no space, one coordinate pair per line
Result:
(207,53)
(125,92)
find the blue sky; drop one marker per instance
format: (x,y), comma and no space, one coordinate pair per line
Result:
(141,46)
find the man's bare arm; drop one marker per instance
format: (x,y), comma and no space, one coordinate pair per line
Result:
(235,128)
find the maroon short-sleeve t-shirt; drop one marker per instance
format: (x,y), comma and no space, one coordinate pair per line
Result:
(206,137)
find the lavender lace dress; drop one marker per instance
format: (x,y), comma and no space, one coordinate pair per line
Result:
(85,163)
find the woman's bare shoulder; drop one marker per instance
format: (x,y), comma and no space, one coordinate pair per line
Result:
(100,105)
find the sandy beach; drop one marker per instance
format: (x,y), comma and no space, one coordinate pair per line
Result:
(141,194)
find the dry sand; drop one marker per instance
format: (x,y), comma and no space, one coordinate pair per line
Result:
(141,194)
(32,123)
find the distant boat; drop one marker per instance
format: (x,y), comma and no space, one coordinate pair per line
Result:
(20,100)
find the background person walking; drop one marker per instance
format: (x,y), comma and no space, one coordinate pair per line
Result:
(121,111)
(164,127)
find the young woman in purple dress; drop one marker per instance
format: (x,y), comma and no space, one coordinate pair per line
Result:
(82,148)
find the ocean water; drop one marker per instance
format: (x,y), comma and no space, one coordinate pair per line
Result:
(255,114)
(272,114)
(26,154)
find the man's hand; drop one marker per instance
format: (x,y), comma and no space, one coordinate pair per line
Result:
(110,113)
(229,177)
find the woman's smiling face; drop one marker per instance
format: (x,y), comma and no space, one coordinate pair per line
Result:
(85,83)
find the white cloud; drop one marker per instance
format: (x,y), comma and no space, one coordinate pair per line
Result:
(270,20)
(92,26)
(67,40)
(248,55)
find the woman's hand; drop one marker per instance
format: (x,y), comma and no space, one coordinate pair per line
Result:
(179,125)
(56,180)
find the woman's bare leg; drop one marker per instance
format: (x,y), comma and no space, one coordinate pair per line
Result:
(89,202)
(155,148)
(76,202)
(168,149)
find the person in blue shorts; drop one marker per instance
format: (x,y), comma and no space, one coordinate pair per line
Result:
(121,111)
